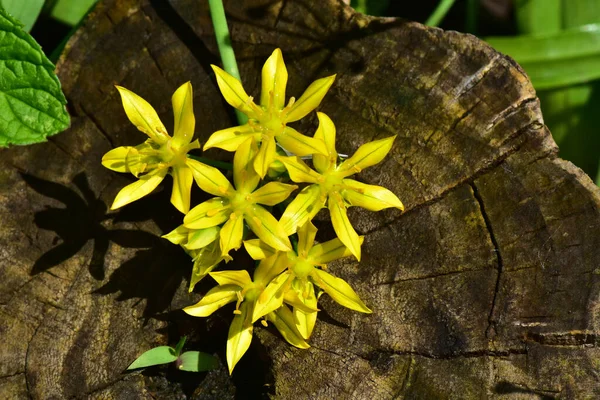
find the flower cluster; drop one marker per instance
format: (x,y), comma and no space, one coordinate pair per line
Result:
(291,273)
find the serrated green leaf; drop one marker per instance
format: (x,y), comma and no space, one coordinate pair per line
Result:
(156,356)
(32,105)
(196,361)
(26,11)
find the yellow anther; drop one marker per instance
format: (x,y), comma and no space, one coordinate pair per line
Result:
(264,322)
(237,312)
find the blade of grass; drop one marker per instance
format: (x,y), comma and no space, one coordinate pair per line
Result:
(439,13)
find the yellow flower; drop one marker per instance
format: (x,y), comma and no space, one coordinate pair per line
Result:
(161,154)
(330,183)
(305,268)
(237,286)
(268,121)
(234,206)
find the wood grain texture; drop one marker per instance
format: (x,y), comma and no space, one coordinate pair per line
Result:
(486,287)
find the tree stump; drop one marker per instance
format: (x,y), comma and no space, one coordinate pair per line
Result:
(486,287)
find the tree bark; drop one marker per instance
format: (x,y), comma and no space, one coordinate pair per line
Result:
(486,286)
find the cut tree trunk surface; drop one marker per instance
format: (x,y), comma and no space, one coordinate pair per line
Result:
(486,287)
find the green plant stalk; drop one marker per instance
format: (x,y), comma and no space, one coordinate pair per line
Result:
(213,163)
(472,16)
(217,14)
(439,13)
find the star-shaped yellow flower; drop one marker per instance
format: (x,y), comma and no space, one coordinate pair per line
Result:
(161,154)
(268,121)
(233,206)
(330,183)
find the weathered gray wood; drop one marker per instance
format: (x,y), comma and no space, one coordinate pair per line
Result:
(486,286)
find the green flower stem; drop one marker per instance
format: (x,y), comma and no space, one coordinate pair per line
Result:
(213,163)
(217,14)
(439,13)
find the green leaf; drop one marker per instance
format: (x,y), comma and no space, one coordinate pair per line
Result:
(26,11)
(196,361)
(180,345)
(71,12)
(32,105)
(156,356)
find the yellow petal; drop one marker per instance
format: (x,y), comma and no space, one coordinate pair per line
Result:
(116,159)
(270,267)
(182,188)
(291,297)
(302,209)
(298,170)
(267,228)
(339,291)
(342,226)
(239,337)
(210,213)
(274,81)
(139,189)
(216,298)
(272,193)
(183,108)
(143,116)
(265,156)
(233,92)
(367,155)
(232,233)
(231,138)
(178,235)
(295,142)
(284,322)
(306,238)
(326,133)
(305,321)
(331,250)
(205,260)
(310,99)
(370,197)
(199,238)
(271,298)
(209,179)
(258,249)
(245,177)
(240,278)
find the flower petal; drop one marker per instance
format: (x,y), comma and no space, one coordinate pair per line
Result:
(258,249)
(272,193)
(274,81)
(331,250)
(306,238)
(326,133)
(235,277)
(295,142)
(305,322)
(143,116)
(182,188)
(291,297)
(239,337)
(339,291)
(116,159)
(199,238)
(139,189)
(245,177)
(271,298)
(216,298)
(341,224)
(270,267)
(283,319)
(210,213)
(265,156)
(303,208)
(370,197)
(183,108)
(178,235)
(205,260)
(209,179)
(310,99)
(367,155)
(231,138)
(267,228)
(233,92)
(232,233)
(299,171)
